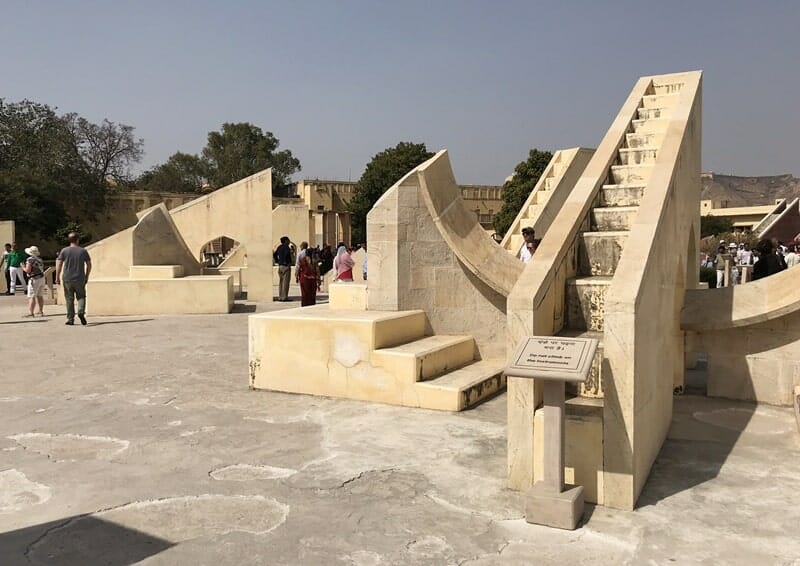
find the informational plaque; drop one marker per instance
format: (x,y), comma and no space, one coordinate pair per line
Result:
(553,357)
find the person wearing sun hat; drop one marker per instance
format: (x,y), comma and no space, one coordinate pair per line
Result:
(34,268)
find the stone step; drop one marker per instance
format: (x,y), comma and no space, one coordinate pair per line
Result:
(646,139)
(593,386)
(621,195)
(613,218)
(585,302)
(599,252)
(549,183)
(653,113)
(533,211)
(463,388)
(541,197)
(667,88)
(660,100)
(638,156)
(427,357)
(649,126)
(630,174)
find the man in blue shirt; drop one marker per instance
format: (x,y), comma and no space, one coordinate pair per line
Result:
(283,257)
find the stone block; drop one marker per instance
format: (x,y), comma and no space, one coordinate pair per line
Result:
(156,271)
(564,510)
(206,294)
(347,296)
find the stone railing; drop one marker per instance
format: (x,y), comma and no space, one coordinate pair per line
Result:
(643,341)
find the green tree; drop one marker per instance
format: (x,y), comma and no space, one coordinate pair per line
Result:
(383,171)
(62,234)
(182,173)
(43,178)
(108,149)
(517,189)
(713,225)
(242,149)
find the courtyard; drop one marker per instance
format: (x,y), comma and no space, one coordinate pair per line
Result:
(137,440)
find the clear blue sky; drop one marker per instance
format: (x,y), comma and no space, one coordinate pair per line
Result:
(338,81)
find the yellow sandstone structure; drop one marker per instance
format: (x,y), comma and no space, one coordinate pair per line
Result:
(153,267)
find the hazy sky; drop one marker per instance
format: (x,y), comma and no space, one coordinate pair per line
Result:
(338,81)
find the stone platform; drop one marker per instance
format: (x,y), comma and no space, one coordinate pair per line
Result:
(137,440)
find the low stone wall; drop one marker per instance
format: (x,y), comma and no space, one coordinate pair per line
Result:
(205,294)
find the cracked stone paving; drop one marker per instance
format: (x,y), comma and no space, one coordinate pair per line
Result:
(135,440)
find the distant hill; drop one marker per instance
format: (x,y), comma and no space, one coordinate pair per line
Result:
(749,191)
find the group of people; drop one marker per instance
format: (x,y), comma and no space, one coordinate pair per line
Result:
(311,264)
(26,270)
(768,257)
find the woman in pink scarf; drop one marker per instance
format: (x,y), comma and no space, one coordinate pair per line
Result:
(343,264)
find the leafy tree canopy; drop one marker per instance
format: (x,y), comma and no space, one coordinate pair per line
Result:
(240,150)
(383,171)
(517,189)
(713,225)
(49,174)
(182,173)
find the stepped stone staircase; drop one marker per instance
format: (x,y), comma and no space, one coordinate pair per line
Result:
(550,183)
(369,355)
(601,244)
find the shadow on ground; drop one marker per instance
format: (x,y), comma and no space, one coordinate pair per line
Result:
(79,540)
(119,321)
(237,307)
(698,445)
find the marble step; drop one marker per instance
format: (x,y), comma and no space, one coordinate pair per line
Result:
(463,388)
(427,357)
(653,113)
(659,100)
(649,126)
(585,302)
(667,88)
(630,174)
(638,156)
(621,195)
(645,139)
(533,211)
(599,252)
(541,197)
(614,218)
(593,386)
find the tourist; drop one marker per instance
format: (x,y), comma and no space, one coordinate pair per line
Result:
(528,246)
(15,260)
(734,275)
(283,257)
(309,278)
(768,261)
(746,255)
(4,265)
(76,265)
(343,264)
(719,263)
(325,259)
(792,258)
(34,268)
(300,255)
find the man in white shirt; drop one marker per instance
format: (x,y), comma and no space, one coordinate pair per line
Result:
(526,251)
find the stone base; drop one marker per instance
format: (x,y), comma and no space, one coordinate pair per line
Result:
(560,510)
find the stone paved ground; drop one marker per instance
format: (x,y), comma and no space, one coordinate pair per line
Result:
(136,440)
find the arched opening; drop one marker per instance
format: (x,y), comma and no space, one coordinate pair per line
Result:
(217,250)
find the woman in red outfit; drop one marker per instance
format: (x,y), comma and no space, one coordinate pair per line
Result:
(310,281)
